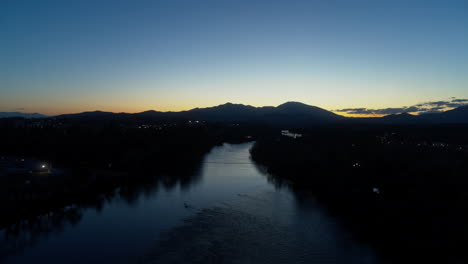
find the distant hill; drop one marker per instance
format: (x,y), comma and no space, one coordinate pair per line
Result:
(403,118)
(292,112)
(94,115)
(23,115)
(225,112)
(457,115)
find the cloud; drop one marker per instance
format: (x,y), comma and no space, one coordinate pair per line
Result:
(412,109)
(433,112)
(427,107)
(460,101)
(365,111)
(351,110)
(439,105)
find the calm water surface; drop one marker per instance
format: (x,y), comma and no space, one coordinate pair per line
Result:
(123,227)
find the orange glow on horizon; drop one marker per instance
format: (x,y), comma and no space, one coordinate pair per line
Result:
(356,115)
(73,110)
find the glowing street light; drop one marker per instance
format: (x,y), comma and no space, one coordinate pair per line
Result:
(376,190)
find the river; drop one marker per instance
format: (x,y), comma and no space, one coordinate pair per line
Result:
(226,211)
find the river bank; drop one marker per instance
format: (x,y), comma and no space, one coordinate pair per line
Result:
(406,199)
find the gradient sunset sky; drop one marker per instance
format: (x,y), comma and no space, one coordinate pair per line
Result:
(129,56)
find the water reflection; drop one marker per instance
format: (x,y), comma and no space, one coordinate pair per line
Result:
(277,182)
(28,232)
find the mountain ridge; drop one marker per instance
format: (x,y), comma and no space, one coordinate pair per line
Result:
(290,113)
(20,114)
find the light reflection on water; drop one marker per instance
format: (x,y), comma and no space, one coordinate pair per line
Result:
(121,226)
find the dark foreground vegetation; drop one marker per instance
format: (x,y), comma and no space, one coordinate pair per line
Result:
(403,188)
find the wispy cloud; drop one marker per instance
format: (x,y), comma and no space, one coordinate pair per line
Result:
(460,101)
(427,107)
(366,111)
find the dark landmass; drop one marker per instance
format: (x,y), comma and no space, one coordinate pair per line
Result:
(401,188)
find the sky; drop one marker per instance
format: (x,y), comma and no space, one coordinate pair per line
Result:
(59,56)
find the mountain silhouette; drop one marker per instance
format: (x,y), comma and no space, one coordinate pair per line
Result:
(457,115)
(94,115)
(292,113)
(308,111)
(454,116)
(289,113)
(403,118)
(19,114)
(224,112)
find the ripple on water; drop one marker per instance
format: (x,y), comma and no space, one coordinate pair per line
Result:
(243,232)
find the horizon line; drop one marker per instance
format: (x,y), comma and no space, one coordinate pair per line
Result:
(341,112)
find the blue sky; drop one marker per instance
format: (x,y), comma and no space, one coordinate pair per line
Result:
(69,56)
